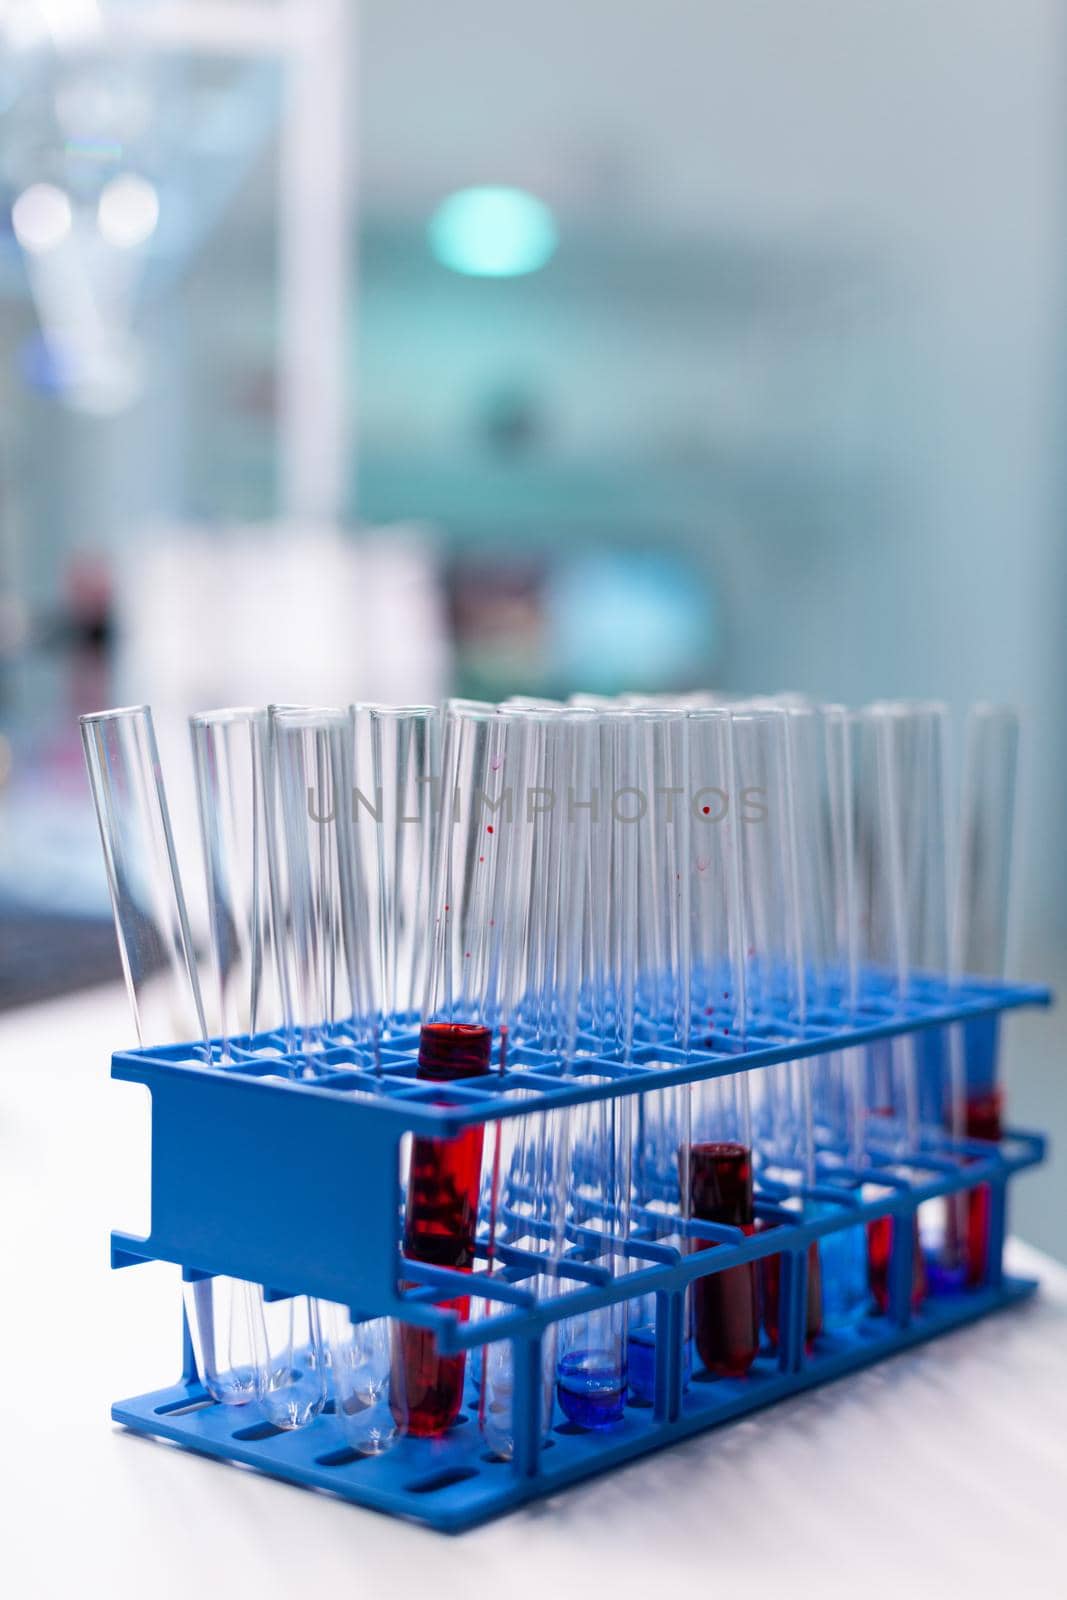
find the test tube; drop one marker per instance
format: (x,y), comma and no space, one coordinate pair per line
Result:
(230,765)
(397,774)
(891,1088)
(986,842)
(714,1148)
(313,888)
(775,986)
(921,753)
(151,923)
(664,954)
(917,743)
(368,1404)
(592,1375)
(838,1079)
(980,930)
(229,760)
(472,901)
(717,1186)
(664,991)
(553,755)
(395,771)
(316,880)
(785,898)
(717,966)
(159,967)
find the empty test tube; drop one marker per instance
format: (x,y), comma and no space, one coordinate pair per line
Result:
(315,881)
(395,806)
(230,764)
(155,946)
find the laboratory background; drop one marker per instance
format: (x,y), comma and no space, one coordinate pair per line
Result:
(391,350)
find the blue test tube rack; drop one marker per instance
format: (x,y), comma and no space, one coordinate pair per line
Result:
(293,1182)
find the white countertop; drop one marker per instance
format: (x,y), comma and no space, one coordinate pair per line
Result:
(941,1473)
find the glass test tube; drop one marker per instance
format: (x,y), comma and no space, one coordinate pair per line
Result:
(891,1087)
(716,1180)
(540,1009)
(229,759)
(230,767)
(592,1373)
(714,1150)
(717,964)
(838,1079)
(315,880)
(158,963)
(471,901)
(664,994)
(921,751)
(316,913)
(385,859)
(785,896)
(397,776)
(980,930)
(151,923)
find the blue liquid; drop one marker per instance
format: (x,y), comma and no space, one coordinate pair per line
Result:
(943,1277)
(641,1363)
(846,1294)
(592,1388)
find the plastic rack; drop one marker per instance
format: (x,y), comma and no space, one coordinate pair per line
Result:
(284,1170)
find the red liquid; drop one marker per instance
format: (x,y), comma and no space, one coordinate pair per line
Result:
(879,1246)
(726,1305)
(439,1228)
(983,1122)
(772,1280)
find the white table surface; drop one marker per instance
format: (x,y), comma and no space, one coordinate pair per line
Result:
(942,1473)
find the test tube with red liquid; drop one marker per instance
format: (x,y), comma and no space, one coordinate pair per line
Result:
(971,1246)
(479,878)
(980,931)
(718,1177)
(440,1224)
